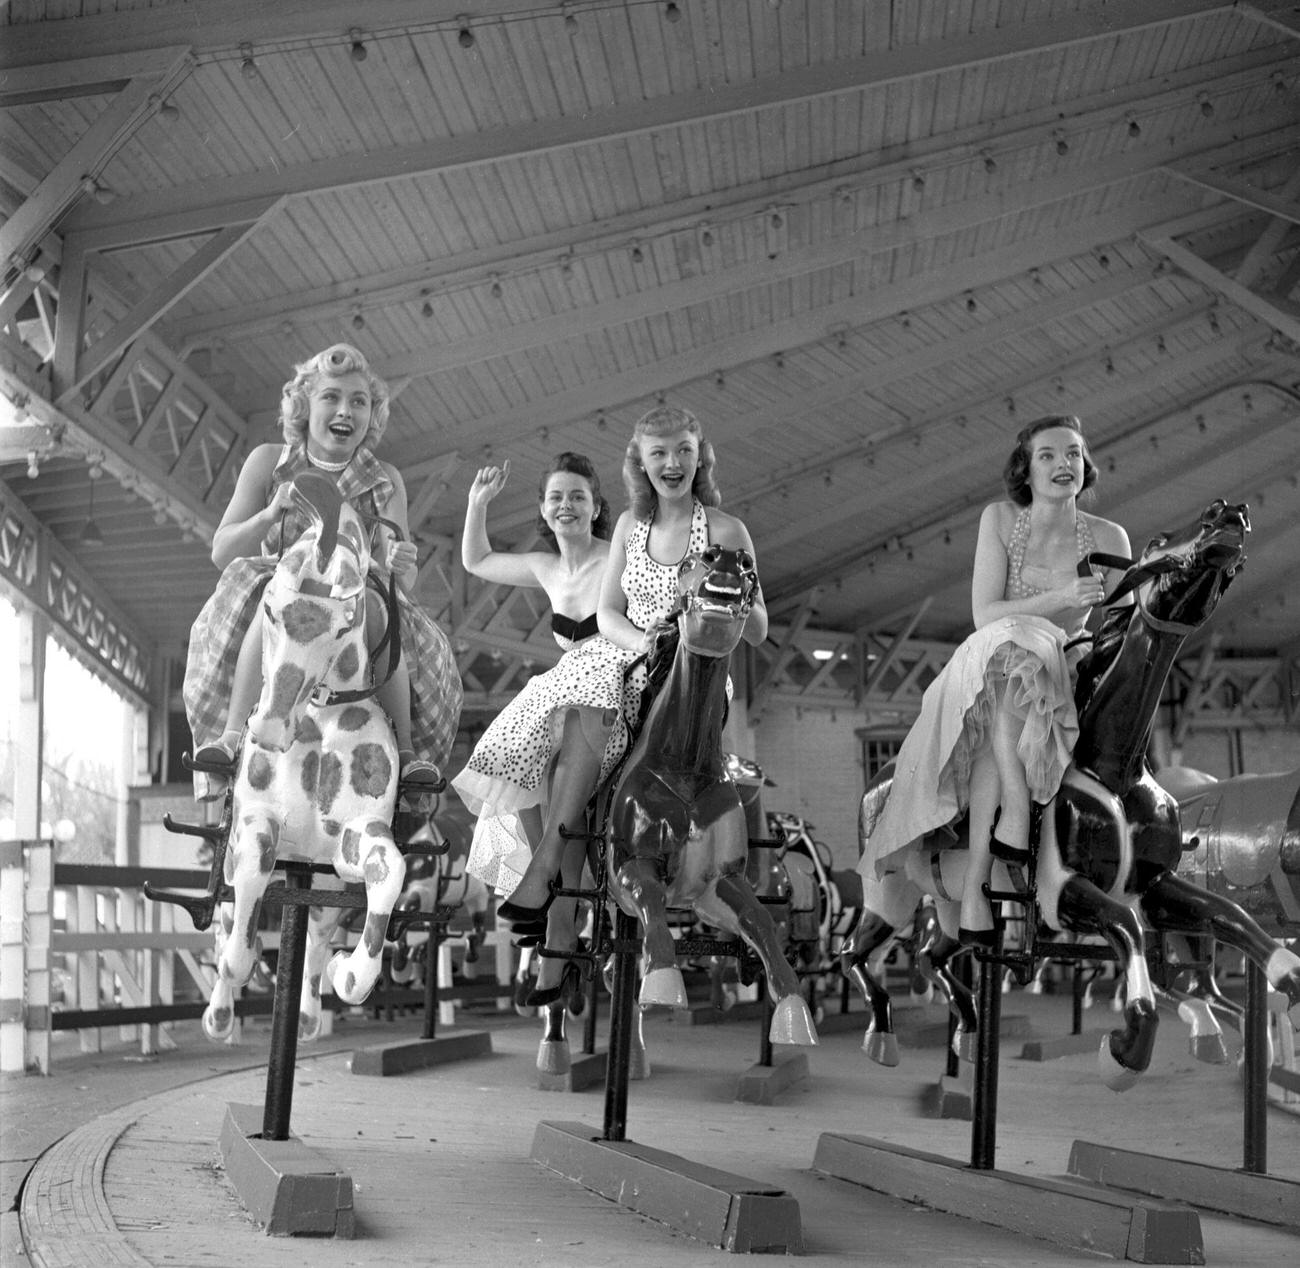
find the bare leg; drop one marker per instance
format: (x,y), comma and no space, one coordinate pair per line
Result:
(985,788)
(245,687)
(1013,823)
(577,767)
(562,919)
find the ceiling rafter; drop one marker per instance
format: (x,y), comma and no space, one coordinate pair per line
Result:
(1204,272)
(76,174)
(960,510)
(416,281)
(978,269)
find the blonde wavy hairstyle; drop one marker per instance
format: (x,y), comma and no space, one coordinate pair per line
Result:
(333,363)
(663,420)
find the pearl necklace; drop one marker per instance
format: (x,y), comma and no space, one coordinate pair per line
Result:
(332,467)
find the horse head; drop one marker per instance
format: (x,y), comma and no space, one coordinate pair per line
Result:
(1192,567)
(313,612)
(717,589)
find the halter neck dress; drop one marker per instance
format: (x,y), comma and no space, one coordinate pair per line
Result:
(218,631)
(931,786)
(507,772)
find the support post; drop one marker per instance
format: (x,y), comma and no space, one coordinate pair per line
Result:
(620,1026)
(284,1015)
(1255,1087)
(984,1114)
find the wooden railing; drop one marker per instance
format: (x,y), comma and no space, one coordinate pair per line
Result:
(83,949)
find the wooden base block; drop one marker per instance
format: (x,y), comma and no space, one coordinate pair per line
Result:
(1060,1211)
(1271,1199)
(287,1187)
(724,1210)
(934,1034)
(707,1015)
(762,1084)
(586,1070)
(1062,1046)
(418,1054)
(950,1097)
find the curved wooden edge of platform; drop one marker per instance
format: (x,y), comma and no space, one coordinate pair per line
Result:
(1270,1199)
(64,1216)
(725,1210)
(1071,1214)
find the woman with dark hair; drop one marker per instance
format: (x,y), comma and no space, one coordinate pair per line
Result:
(536,766)
(998,725)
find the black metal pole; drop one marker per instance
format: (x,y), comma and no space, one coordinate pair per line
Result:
(984,1116)
(769,1010)
(431,949)
(1254,1032)
(1076,1003)
(620,1026)
(284,1014)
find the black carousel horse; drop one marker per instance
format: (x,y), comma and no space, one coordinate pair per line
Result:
(676,834)
(1110,841)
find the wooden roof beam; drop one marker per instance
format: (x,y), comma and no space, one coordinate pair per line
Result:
(75,174)
(1257,305)
(408,283)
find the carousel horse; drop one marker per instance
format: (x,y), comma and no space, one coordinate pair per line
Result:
(316,778)
(676,831)
(437,879)
(1109,842)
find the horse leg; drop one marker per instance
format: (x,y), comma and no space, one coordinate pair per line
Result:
(1125,1053)
(249,860)
(887,904)
(641,893)
(729,902)
(383,870)
(1173,900)
(321,924)
(934,954)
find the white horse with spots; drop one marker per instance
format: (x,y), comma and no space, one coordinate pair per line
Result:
(317,771)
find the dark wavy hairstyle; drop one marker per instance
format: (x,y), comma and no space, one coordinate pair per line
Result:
(1015,475)
(602,518)
(663,420)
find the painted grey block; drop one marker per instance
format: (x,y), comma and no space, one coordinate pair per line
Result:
(1071,1214)
(763,1084)
(714,1206)
(1271,1199)
(286,1186)
(419,1054)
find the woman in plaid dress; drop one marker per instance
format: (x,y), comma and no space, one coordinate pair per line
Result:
(333,413)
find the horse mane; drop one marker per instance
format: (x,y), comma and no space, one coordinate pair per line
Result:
(1105,648)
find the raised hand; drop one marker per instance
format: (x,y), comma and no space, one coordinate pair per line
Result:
(488,483)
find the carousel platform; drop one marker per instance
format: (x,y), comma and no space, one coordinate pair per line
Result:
(114,1159)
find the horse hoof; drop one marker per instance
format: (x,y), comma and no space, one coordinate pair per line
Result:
(792,1023)
(553,1057)
(218,1023)
(1117,1077)
(308,1026)
(638,1062)
(881,1046)
(964,1044)
(663,986)
(1208,1048)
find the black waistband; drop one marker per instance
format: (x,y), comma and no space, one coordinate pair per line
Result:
(574,631)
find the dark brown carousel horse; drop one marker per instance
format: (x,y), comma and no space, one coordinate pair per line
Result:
(1110,841)
(677,834)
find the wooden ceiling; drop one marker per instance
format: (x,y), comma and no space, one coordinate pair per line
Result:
(863,241)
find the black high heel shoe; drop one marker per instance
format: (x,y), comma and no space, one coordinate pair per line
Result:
(519,915)
(569,986)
